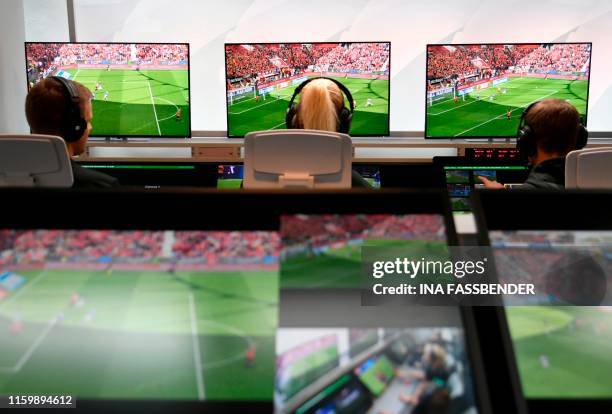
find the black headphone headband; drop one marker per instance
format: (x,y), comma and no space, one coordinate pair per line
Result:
(524,114)
(345,116)
(73,124)
(343,88)
(73,94)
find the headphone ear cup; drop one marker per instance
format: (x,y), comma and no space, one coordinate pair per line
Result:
(583,137)
(525,142)
(345,119)
(74,126)
(290,116)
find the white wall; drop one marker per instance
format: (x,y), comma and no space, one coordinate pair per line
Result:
(46,20)
(409,25)
(13,86)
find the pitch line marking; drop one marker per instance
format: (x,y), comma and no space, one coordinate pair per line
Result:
(452,109)
(30,351)
(154,110)
(279,97)
(197,353)
(274,127)
(233,330)
(502,115)
(28,354)
(171,103)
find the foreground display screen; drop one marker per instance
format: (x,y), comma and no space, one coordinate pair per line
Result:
(138,315)
(139,89)
(317,372)
(261,78)
(562,352)
(481,90)
(324,251)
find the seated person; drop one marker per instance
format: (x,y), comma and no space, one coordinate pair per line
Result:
(434,370)
(50,110)
(555,131)
(320,107)
(435,399)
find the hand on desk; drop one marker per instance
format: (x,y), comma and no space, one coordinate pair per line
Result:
(489,184)
(409,399)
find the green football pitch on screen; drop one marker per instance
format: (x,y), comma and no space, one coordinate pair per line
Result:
(140,335)
(371,117)
(484,113)
(137,102)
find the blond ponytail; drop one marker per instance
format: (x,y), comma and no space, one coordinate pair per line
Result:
(319,104)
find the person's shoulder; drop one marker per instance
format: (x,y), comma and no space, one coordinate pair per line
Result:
(86,178)
(548,175)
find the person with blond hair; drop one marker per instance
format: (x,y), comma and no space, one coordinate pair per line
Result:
(322,107)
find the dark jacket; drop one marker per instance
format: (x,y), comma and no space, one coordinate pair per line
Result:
(547,175)
(85,178)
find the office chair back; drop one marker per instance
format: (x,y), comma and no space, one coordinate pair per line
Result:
(34,161)
(297,158)
(589,168)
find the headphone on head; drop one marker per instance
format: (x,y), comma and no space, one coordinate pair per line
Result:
(526,136)
(73,125)
(344,117)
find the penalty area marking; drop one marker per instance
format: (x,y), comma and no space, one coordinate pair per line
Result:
(171,103)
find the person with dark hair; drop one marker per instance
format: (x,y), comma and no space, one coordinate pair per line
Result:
(49,109)
(435,399)
(553,130)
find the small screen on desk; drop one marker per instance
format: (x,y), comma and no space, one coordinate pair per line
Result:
(230,176)
(462,179)
(375,373)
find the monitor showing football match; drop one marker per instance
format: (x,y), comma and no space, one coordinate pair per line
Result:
(262,78)
(560,351)
(138,315)
(138,89)
(324,251)
(481,90)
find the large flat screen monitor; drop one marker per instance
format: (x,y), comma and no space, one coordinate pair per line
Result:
(139,89)
(481,90)
(261,79)
(558,354)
